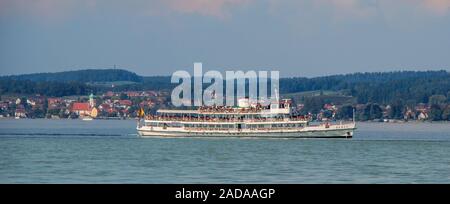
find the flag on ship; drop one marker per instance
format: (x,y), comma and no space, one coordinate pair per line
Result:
(141,112)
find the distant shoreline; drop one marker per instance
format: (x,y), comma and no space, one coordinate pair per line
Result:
(116,119)
(12,118)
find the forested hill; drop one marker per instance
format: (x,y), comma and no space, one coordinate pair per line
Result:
(382,87)
(87,75)
(385,87)
(338,82)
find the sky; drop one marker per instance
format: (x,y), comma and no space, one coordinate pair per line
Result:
(157,37)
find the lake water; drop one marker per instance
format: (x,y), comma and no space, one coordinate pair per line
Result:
(100,151)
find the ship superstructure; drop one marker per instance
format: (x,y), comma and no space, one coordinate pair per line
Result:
(247,120)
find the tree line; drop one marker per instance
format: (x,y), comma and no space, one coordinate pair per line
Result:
(410,87)
(87,75)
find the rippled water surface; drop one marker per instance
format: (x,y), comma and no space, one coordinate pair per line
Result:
(101,151)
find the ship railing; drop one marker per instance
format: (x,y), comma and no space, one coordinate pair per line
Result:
(231,129)
(209,129)
(225,120)
(225,109)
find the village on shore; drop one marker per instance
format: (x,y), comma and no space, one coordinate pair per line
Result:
(110,105)
(125,105)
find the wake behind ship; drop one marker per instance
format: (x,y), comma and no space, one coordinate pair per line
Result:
(246,120)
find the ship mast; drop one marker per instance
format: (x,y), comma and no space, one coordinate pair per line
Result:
(354,121)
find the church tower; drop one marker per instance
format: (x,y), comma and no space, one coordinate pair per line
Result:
(91,100)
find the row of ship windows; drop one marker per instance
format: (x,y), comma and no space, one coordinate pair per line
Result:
(286,125)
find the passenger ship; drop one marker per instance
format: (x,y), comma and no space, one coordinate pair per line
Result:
(273,121)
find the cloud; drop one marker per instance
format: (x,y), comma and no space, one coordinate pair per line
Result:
(367,8)
(216,8)
(58,8)
(222,9)
(53,10)
(349,8)
(440,7)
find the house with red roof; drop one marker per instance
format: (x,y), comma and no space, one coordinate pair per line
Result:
(125,103)
(109,94)
(81,108)
(20,113)
(52,101)
(133,93)
(4,105)
(106,108)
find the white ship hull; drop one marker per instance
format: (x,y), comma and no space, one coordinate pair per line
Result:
(274,121)
(332,131)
